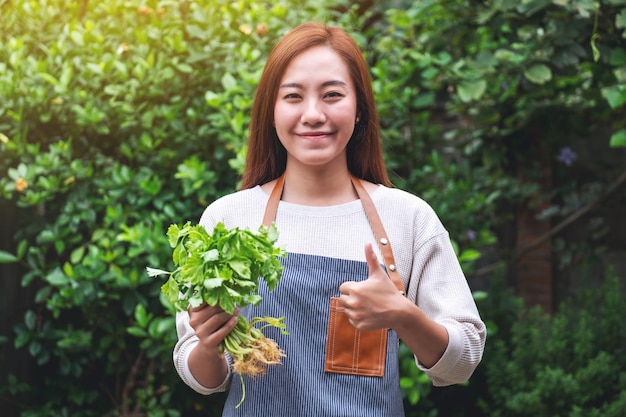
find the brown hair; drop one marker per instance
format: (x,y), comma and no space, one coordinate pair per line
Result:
(267,158)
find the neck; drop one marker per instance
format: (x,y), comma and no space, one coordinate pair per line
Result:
(318,189)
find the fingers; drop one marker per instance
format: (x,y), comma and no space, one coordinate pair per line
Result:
(372,259)
(225,329)
(211,323)
(345,288)
(373,265)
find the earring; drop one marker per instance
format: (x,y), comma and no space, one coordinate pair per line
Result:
(357,120)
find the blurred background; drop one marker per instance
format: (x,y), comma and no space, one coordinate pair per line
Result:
(121,117)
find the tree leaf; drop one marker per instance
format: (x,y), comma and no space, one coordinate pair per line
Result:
(615,95)
(30,320)
(49,78)
(538,74)
(469,255)
(620,19)
(57,278)
(7,258)
(136,331)
(77,254)
(618,139)
(141,315)
(228,82)
(212,99)
(480,295)
(471,90)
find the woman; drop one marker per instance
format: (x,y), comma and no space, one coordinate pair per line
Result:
(315,144)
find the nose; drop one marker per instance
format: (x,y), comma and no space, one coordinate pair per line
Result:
(313,112)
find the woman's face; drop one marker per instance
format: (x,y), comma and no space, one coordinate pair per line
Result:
(315,110)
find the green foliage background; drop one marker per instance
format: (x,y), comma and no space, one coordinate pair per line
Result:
(118,118)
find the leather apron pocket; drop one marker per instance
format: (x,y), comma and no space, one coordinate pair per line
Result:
(352,351)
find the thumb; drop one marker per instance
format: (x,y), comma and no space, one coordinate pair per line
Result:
(372,261)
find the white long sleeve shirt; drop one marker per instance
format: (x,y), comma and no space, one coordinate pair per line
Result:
(424,256)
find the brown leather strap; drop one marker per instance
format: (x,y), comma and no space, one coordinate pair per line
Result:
(372,215)
(379,233)
(272,203)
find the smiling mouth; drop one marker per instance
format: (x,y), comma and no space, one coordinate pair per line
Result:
(314,134)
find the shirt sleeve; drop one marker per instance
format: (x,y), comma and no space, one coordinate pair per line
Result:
(187,340)
(439,287)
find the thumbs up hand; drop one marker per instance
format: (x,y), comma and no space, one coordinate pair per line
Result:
(370,304)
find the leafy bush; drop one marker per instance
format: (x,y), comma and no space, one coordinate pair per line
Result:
(121,117)
(572,364)
(110,132)
(466,89)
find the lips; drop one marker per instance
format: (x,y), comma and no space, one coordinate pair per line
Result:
(314,134)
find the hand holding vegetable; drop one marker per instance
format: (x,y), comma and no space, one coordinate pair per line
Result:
(224,268)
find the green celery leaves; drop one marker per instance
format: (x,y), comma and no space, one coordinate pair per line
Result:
(223,267)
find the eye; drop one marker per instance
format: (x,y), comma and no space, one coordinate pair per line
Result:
(292,96)
(333,94)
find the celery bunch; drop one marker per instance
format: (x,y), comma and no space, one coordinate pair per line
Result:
(225,268)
